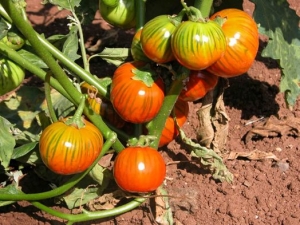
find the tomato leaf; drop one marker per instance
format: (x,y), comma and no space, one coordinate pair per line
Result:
(284,42)
(3,28)
(7,142)
(27,53)
(23,150)
(11,190)
(64,4)
(115,56)
(70,47)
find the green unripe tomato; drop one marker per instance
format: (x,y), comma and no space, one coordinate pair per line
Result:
(11,76)
(120,15)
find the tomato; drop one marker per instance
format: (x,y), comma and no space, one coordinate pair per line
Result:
(156,39)
(11,75)
(120,15)
(170,131)
(139,169)
(67,149)
(196,45)
(198,83)
(136,48)
(136,95)
(242,43)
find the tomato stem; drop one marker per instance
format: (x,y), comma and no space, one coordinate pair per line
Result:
(76,120)
(156,126)
(140,13)
(48,97)
(193,13)
(204,6)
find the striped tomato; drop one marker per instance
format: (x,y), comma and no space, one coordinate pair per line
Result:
(197,85)
(156,39)
(139,169)
(196,45)
(121,13)
(11,75)
(136,94)
(170,131)
(242,43)
(67,149)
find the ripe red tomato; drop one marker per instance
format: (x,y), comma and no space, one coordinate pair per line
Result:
(156,39)
(139,169)
(197,85)
(136,101)
(197,45)
(242,43)
(66,149)
(170,131)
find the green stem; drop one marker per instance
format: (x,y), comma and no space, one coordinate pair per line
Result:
(26,29)
(48,97)
(156,126)
(86,216)
(204,6)
(65,187)
(140,13)
(81,43)
(41,46)
(77,120)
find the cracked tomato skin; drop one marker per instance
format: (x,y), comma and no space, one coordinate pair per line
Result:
(197,85)
(242,43)
(67,149)
(139,169)
(132,99)
(197,45)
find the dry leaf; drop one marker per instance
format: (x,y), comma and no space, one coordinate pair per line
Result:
(106,201)
(273,127)
(162,208)
(253,155)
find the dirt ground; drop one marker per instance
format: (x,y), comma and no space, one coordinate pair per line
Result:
(264,192)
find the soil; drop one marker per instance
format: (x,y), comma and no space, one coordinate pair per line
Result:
(265,190)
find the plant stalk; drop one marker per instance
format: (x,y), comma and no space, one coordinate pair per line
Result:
(140,13)
(204,6)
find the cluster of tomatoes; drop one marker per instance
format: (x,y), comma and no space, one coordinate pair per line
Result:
(209,49)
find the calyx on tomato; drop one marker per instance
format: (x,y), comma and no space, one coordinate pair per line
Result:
(13,39)
(120,14)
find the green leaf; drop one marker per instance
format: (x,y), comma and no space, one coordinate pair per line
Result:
(7,142)
(70,47)
(10,190)
(23,150)
(3,28)
(64,4)
(27,53)
(281,24)
(115,56)
(86,11)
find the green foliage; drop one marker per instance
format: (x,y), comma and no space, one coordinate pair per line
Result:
(7,142)
(281,25)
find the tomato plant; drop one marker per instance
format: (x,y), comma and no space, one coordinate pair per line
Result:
(170,131)
(197,45)
(242,43)
(198,83)
(121,13)
(156,39)
(139,169)
(11,75)
(136,95)
(67,149)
